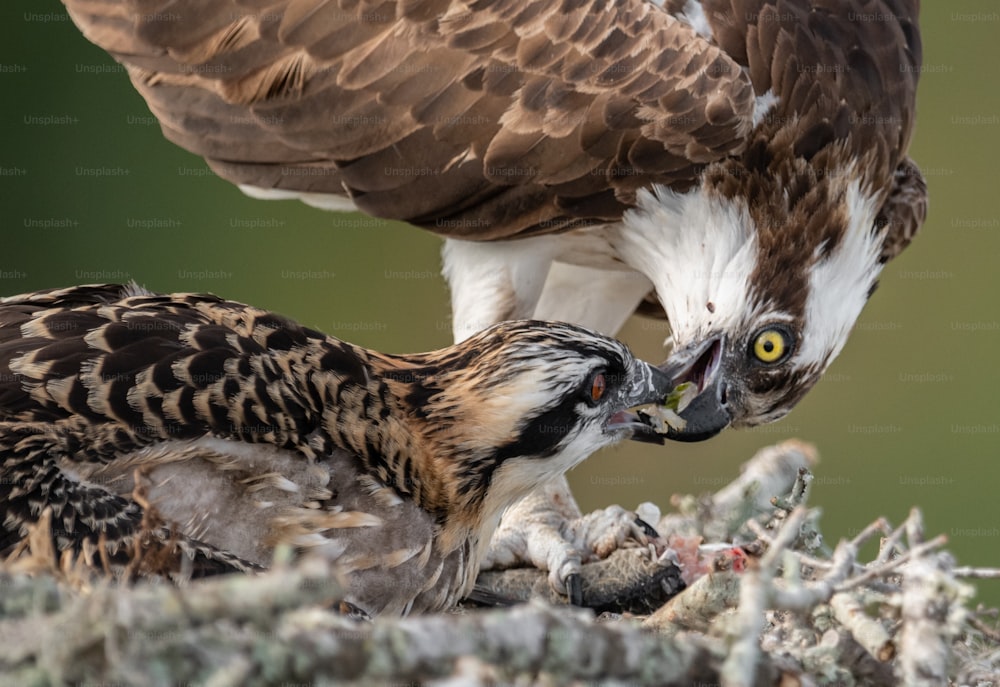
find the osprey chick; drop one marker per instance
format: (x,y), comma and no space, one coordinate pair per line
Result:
(241,429)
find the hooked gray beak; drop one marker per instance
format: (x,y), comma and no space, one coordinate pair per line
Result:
(647,385)
(708,413)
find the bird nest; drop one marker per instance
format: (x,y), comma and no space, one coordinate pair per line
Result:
(776,608)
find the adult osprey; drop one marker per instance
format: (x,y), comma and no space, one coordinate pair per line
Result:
(737,165)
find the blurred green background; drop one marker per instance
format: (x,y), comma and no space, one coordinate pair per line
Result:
(908,416)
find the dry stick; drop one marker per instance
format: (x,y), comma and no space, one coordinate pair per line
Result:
(882,565)
(798,493)
(529,640)
(885,568)
(803,597)
(926,634)
(880,526)
(709,597)
(866,631)
(268,629)
(925,658)
(770,471)
(784,537)
(803,558)
(740,666)
(912,527)
(765,535)
(991,632)
(890,545)
(977,573)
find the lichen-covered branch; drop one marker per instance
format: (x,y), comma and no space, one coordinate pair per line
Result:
(276,627)
(765,606)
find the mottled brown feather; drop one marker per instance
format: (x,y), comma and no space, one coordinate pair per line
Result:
(262,76)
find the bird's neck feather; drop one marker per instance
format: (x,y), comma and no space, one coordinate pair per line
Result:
(452,426)
(376,411)
(363,414)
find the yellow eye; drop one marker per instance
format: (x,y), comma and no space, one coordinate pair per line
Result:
(770,346)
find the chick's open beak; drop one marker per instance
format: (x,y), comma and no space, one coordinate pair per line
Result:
(646,385)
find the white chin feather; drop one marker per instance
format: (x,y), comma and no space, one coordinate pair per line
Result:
(699,252)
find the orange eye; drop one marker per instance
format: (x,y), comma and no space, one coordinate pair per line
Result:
(597,387)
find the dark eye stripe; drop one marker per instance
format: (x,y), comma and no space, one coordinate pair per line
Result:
(542,435)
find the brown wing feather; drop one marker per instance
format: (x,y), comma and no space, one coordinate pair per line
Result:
(904,210)
(498,101)
(843,70)
(101,384)
(160,367)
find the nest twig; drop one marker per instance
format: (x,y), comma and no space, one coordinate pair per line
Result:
(772,608)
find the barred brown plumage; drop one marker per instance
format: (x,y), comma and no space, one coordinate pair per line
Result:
(231,429)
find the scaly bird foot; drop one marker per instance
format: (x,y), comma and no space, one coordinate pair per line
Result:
(547,530)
